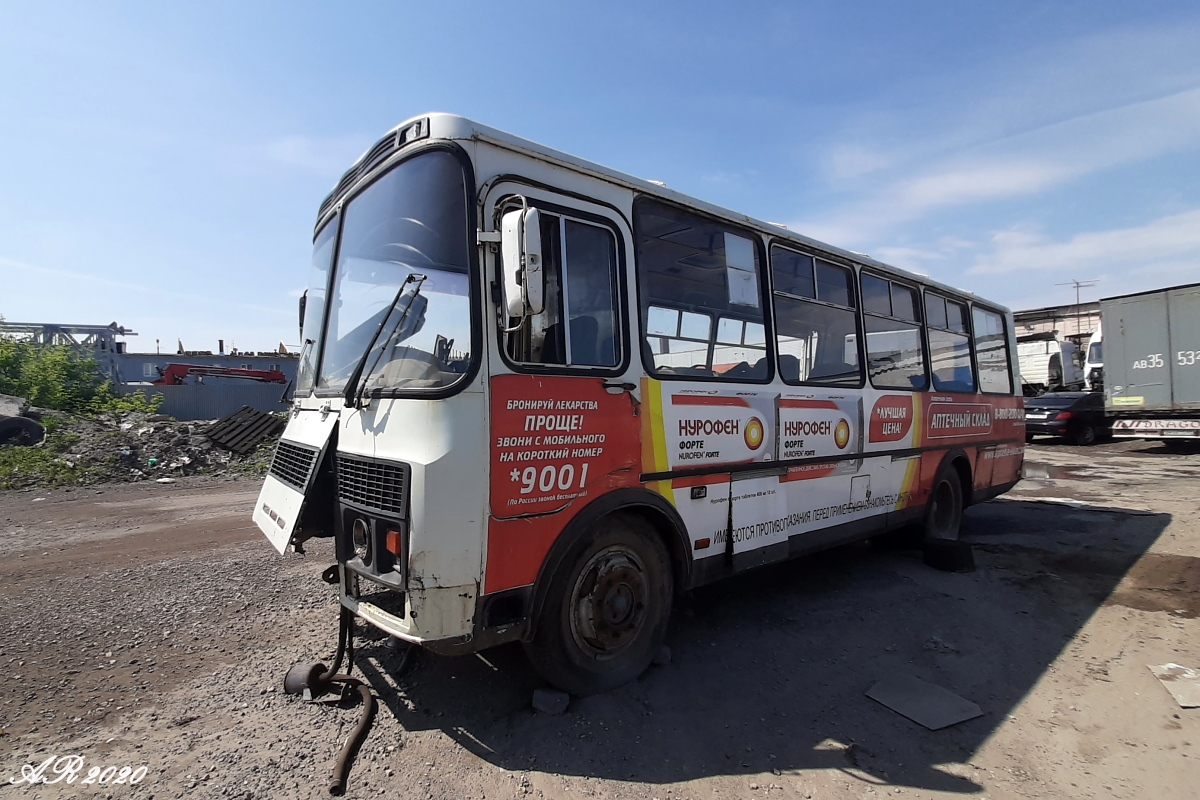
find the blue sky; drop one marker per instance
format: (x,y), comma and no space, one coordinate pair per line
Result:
(161,164)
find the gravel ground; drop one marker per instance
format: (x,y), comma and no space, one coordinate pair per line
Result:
(151,625)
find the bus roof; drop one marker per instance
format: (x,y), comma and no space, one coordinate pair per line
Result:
(452,126)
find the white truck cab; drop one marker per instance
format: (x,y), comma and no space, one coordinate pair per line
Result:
(1093,366)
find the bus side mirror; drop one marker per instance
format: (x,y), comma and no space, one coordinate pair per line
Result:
(303,303)
(521,262)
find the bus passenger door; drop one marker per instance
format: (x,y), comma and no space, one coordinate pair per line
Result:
(758,529)
(564,399)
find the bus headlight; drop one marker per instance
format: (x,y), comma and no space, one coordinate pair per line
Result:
(360,538)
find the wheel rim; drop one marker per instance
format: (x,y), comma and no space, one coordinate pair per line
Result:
(608,602)
(943,517)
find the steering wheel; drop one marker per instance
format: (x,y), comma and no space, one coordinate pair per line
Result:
(426,233)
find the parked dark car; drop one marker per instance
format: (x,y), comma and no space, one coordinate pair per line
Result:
(1077,417)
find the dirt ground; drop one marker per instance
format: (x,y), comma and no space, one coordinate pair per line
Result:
(150,626)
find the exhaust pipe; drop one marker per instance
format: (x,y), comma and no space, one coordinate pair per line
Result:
(317,679)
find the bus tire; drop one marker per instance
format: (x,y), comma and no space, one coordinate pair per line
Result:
(606,612)
(21,431)
(944,510)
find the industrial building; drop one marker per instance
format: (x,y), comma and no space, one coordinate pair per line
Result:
(207,396)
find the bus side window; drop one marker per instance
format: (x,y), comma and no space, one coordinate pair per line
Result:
(991,351)
(701,296)
(949,344)
(816,329)
(895,350)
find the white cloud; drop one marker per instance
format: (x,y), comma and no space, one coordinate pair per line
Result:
(1017,166)
(1171,240)
(1010,128)
(990,102)
(850,161)
(975,183)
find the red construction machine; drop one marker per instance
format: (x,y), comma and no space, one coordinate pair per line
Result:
(176,374)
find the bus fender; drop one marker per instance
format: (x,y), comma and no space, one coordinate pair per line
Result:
(651,506)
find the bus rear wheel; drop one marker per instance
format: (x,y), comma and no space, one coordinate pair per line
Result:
(606,612)
(944,511)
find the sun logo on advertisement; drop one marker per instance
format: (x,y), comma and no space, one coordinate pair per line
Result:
(754,433)
(841,434)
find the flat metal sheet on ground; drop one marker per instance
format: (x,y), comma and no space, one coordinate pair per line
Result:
(1182,682)
(244,430)
(923,703)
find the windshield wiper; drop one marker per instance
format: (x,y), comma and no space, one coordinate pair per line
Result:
(353,395)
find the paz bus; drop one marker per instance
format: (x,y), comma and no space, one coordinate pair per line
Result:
(539,398)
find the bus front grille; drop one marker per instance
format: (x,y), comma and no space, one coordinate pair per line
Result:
(377,485)
(293,464)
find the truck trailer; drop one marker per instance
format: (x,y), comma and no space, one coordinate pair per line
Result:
(1152,364)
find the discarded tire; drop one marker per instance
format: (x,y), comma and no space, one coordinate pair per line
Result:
(21,431)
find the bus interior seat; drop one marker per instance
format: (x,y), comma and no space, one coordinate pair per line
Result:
(552,346)
(789,368)
(832,369)
(739,370)
(952,385)
(745,371)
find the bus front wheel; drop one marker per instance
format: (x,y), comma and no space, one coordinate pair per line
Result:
(606,613)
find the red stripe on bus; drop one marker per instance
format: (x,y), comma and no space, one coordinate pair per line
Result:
(807,404)
(700,480)
(707,400)
(808,473)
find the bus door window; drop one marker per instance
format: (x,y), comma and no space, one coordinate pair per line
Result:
(949,344)
(991,351)
(895,352)
(701,290)
(590,268)
(816,328)
(578,326)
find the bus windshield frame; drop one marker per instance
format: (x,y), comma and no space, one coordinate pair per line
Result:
(414,218)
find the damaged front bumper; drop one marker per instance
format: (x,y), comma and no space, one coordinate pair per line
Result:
(440,619)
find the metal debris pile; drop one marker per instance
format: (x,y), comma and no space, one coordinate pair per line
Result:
(136,446)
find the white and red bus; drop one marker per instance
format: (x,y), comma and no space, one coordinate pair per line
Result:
(539,398)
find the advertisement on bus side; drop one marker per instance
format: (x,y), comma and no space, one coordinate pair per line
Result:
(702,428)
(812,426)
(553,438)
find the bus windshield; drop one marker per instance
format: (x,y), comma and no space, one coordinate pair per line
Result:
(412,221)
